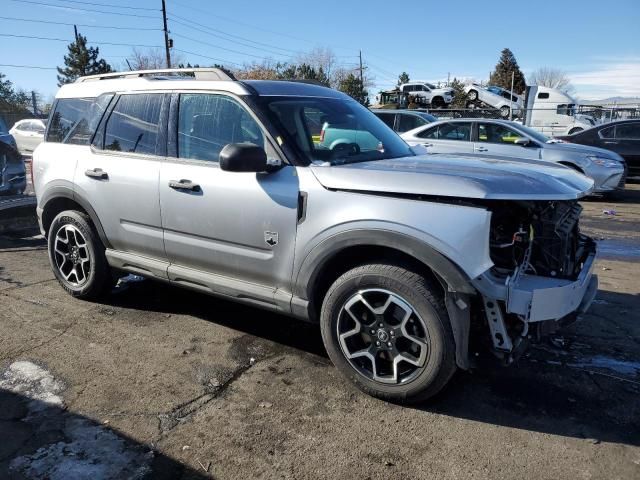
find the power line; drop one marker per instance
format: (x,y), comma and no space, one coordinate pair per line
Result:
(84,9)
(208,29)
(26,66)
(79,24)
(207,57)
(217,46)
(111,5)
(69,41)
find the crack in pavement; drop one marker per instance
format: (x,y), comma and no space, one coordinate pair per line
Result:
(168,421)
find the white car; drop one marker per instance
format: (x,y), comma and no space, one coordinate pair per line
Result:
(28,134)
(428,93)
(494,97)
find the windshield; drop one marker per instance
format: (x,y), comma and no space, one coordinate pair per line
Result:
(534,134)
(334,130)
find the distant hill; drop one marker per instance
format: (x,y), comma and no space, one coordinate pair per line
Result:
(612,101)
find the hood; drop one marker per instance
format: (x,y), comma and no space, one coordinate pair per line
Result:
(462,176)
(443,90)
(581,150)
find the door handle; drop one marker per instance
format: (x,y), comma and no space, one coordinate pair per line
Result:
(427,144)
(97,173)
(482,149)
(184,185)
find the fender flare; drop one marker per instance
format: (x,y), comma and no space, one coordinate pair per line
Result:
(317,258)
(64,190)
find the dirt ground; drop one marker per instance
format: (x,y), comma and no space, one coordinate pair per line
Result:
(160,382)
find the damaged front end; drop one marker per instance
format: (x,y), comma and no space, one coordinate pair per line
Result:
(542,275)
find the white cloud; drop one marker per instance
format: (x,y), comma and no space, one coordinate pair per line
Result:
(617,77)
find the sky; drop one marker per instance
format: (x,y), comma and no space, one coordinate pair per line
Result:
(596,43)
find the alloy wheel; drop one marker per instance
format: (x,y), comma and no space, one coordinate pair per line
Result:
(383,337)
(71,255)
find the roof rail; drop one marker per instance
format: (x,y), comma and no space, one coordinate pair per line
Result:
(199,73)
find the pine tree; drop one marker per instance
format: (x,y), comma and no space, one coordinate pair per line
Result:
(81,61)
(352,86)
(501,76)
(459,95)
(403,78)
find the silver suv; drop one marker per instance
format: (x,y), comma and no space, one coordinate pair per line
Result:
(226,187)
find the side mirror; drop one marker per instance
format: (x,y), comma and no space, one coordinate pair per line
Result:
(522,141)
(243,157)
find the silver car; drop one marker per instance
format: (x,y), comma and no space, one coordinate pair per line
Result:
(502,138)
(227,187)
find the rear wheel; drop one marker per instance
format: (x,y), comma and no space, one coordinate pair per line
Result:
(472,95)
(387,330)
(504,111)
(77,256)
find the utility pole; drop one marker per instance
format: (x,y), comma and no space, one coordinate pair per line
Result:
(511,99)
(166,33)
(361,72)
(34,102)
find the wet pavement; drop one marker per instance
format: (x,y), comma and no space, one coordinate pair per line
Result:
(158,382)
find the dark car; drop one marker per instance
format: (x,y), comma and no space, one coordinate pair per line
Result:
(622,137)
(403,120)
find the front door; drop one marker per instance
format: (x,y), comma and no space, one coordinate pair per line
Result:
(230,226)
(498,139)
(450,137)
(119,174)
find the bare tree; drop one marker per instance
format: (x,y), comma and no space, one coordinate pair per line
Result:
(552,78)
(151,59)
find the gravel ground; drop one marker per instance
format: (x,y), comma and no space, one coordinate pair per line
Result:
(160,382)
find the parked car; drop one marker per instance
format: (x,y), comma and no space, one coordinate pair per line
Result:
(29,133)
(428,93)
(13,177)
(220,186)
(622,137)
(5,136)
(403,120)
(501,138)
(494,97)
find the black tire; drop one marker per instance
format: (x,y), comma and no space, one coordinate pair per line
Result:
(438,102)
(425,298)
(98,279)
(472,95)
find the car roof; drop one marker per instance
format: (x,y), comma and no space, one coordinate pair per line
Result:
(210,80)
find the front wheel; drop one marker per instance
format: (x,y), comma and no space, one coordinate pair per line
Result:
(472,95)
(504,111)
(387,330)
(77,256)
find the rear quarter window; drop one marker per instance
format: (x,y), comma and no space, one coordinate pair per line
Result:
(73,120)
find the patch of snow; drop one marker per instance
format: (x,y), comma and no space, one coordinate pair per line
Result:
(34,382)
(90,452)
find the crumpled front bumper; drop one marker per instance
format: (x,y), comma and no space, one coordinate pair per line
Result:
(535,298)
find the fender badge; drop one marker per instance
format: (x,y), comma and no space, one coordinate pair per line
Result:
(271,238)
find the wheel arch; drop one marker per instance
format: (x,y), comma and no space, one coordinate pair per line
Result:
(61,198)
(572,165)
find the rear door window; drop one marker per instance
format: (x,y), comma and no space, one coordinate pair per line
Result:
(133,124)
(496,133)
(409,122)
(448,131)
(387,118)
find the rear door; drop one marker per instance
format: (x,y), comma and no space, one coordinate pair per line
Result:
(229,225)
(498,139)
(408,121)
(449,137)
(119,174)
(628,145)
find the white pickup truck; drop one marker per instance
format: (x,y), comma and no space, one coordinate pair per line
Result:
(428,94)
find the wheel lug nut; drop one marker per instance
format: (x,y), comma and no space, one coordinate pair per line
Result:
(392,333)
(373,332)
(381,325)
(378,344)
(389,344)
